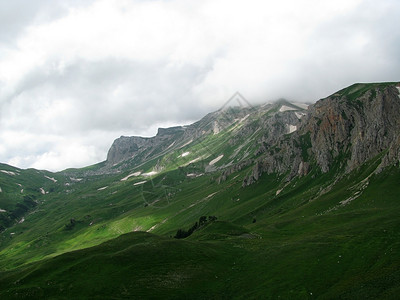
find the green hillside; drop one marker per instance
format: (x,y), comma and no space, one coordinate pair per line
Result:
(310,249)
(257,225)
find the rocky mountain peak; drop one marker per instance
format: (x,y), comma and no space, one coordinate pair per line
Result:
(360,122)
(348,128)
(345,129)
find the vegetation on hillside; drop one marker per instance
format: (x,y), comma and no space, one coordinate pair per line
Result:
(84,234)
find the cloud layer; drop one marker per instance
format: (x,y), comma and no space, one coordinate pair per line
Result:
(75,76)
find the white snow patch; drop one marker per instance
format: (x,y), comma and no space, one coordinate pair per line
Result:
(22,190)
(173,143)
(76,179)
(19,184)
(299,115)
(186,144)
(138,228)
(42,191)
(244,118)
(140,182)
(286,108)
(291,128)
(155,226)
(131,175)
(150,173)
(50,178)
(8,172)
(209,196)
(184,154)
(301,105)
(194,175)
(102,188)
(21,221)
(1,190)
(215,160)
(195,160)
(2,210)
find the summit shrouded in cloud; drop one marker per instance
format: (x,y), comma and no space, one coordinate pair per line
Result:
(74,75)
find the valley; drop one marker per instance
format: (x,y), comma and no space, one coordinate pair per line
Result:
(299,202)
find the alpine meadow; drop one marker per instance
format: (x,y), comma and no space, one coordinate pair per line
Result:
(282,200)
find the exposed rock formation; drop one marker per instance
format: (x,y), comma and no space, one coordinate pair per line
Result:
(343,130)
(356,126)
(141,148)
(349,127)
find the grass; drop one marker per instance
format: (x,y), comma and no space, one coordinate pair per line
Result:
(300,243)
(359,89)
(291,251)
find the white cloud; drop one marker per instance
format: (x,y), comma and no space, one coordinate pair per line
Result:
(74,77)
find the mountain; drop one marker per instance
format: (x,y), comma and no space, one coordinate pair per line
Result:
(265,124)
(280,200)
(352,125)
(348,128)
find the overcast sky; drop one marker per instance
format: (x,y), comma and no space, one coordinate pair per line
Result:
(75,75)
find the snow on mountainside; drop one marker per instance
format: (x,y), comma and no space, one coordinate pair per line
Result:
(356,124)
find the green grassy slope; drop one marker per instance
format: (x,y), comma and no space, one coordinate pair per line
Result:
(358,89)
(21,192)
(83,211)
(301,245)
(134,265)
(324,235)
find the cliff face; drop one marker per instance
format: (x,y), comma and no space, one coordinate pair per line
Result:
(345,129)
(125,148)
(171,139)
(358,126)
(350,127)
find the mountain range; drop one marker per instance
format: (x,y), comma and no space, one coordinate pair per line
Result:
(279,200)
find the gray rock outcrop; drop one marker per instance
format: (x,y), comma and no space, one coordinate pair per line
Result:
(348,128)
